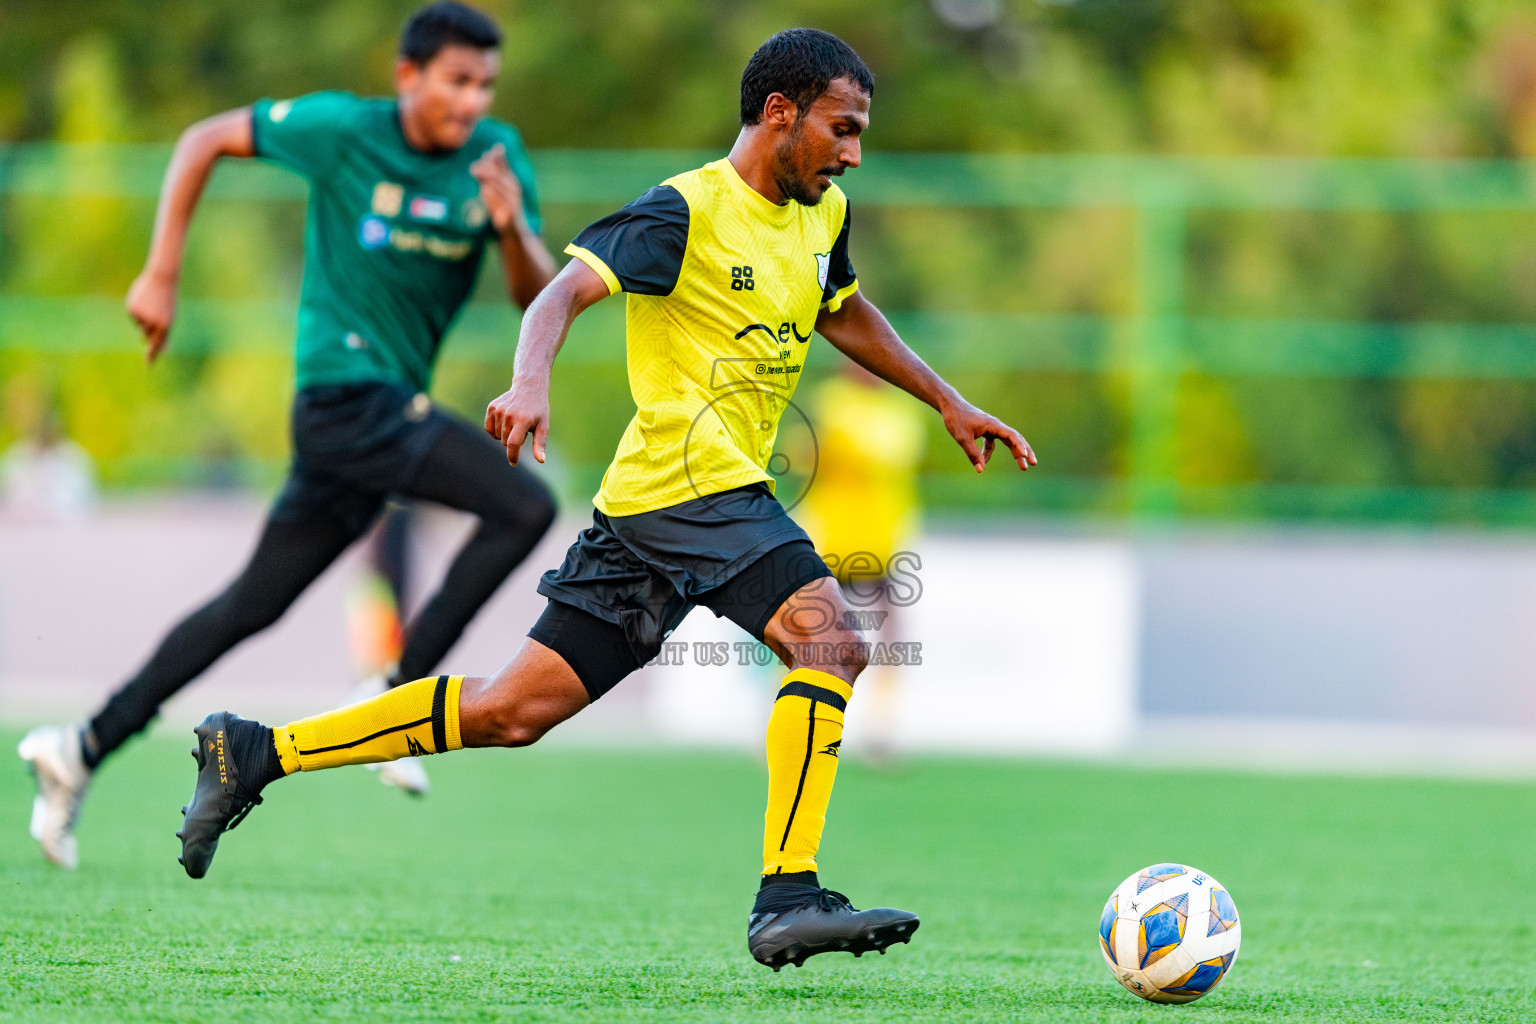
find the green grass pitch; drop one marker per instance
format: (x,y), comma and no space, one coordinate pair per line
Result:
(561,885)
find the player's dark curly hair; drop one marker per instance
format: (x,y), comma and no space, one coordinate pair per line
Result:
(446,23)
(799,63)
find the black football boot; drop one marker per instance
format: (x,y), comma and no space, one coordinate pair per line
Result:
(232,766)
(791,922)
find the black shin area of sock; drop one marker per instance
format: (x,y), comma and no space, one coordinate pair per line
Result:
(793,878)
(255,754)
(776,899)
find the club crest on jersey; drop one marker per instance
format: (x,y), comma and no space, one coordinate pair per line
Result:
(823,263)
(387,197)
(429,208)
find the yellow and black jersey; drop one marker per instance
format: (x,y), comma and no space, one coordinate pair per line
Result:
(723,290)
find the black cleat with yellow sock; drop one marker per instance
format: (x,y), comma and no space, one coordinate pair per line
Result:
(794,917)
(791,922)
(235,759)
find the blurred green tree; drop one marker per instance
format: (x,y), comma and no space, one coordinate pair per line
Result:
(1352,78)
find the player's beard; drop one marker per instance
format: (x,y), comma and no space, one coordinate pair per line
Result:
(790,160)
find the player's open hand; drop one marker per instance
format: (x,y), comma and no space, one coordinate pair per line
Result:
(968,424)
(500,190)
(522,410)
(152,304)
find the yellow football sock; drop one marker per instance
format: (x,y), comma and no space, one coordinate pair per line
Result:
(804,733)
(412,719)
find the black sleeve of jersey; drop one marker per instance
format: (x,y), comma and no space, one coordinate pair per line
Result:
(643,243)
(839,267)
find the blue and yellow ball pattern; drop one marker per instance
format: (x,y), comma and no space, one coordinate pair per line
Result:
(1162,929)
(1170,933)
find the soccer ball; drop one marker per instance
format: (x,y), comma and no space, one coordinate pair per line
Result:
(1169,933)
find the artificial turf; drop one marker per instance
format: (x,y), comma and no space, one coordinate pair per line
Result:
(562,885)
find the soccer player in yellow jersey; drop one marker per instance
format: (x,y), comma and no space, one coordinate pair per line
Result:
(862,511)
(869,442)
(728,270)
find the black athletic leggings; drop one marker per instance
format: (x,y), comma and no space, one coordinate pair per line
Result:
(465,470)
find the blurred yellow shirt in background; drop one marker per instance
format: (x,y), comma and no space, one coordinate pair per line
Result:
(870,441)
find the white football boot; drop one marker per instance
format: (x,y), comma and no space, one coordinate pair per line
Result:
(53,754)
(406,773)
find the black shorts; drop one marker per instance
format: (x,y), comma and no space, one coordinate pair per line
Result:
(354,445)
(629,581)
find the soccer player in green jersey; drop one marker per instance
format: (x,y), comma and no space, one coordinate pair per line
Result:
(728,270)
(405,196)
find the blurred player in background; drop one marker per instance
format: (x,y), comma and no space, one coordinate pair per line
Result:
(377,604)
(861,511)
(405,196)
(728,271)
(45,476)
(376,601)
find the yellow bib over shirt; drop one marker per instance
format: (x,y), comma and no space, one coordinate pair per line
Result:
(723,289)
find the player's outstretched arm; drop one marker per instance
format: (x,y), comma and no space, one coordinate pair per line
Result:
(524,408)
(861,332)
(152,296)
(529,266)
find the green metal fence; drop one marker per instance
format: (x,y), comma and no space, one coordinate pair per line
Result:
(1153,347)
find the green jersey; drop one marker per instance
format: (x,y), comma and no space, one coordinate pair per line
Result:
(394,236)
